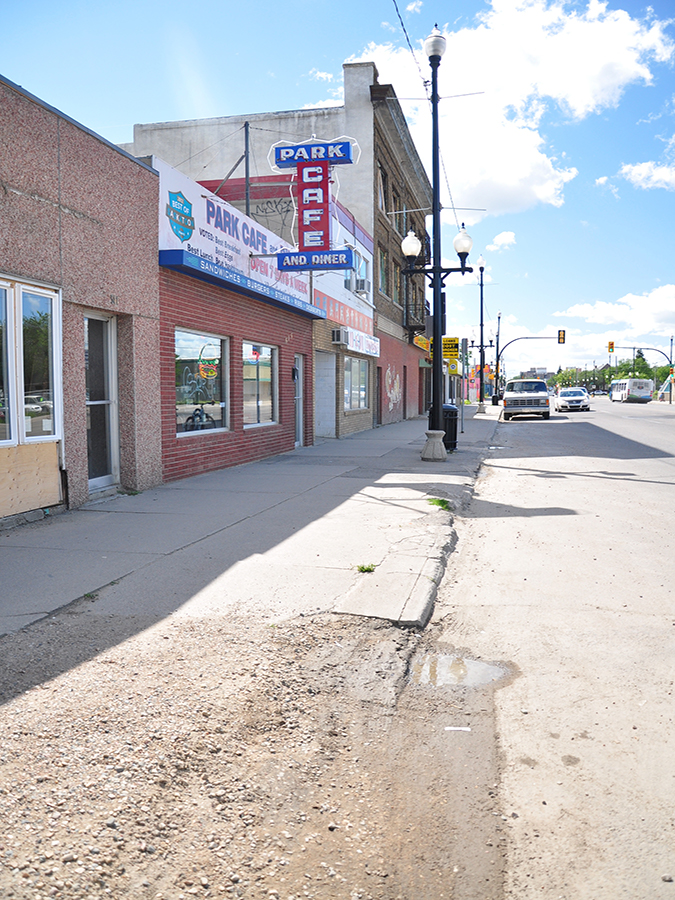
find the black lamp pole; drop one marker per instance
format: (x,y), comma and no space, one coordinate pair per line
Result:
(481,377)
(434,47)
(439,310)
(496,392)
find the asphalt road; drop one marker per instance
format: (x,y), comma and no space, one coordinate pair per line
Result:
(563,573)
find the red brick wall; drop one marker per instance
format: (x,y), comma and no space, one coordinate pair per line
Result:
(394,356)
(192,304)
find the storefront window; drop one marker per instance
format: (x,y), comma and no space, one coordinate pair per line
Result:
(38,374)
(201,382)
(30,329)
(260,383)
(356,383)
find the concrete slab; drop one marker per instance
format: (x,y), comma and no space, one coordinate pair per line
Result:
(281,537)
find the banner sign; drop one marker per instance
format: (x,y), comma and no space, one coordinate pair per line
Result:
(450,348)
(313,206)
(336,153)
(332,259)
(362,343)
(205,237)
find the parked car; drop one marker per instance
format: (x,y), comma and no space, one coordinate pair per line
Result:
(572,398)
(526,397)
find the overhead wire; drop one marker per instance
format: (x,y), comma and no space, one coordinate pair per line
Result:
(426,83)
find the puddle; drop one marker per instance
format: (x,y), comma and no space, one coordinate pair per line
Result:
(441,669)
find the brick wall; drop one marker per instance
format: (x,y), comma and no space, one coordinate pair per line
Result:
(191,304)
(400,380)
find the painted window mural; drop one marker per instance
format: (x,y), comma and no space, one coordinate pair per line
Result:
(201,382)
(260,383)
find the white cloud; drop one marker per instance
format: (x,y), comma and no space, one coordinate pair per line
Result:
(531,61)
(316,75)
(502,241)
(414,7)
(648,175)
(604,183)
(638,314)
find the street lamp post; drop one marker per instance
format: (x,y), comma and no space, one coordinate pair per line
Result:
(481,378)
(434,47)
(495,396)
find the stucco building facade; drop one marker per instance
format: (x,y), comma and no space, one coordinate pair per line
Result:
(79,313)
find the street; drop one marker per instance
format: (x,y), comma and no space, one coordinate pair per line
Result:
(563,569)
(521,745)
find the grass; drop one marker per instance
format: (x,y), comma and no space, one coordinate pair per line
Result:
(440,501)
(370,568)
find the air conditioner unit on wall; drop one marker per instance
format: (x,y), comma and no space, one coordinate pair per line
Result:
(362,286)
(341,336)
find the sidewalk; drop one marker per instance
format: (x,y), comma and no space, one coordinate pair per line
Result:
(279,538)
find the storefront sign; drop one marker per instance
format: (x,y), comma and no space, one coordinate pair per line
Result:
(336,153)
(358,342)
(312,162)
(333,259)
(203,236)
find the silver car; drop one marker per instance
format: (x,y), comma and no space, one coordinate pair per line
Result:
(572,398)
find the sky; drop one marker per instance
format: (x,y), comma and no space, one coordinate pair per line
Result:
(557,132)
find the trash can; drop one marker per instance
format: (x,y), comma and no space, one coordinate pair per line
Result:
(495,399)
(450,418)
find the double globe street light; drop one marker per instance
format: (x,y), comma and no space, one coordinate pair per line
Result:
(434,47)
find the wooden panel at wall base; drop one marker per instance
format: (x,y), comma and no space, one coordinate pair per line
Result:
(29,478)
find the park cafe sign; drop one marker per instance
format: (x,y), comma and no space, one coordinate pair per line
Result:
(312,163)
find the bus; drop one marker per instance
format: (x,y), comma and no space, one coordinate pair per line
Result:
(632,390)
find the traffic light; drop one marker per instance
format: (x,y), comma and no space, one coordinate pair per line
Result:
(610,346)
(561,336)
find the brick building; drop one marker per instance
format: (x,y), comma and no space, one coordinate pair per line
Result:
(385,193)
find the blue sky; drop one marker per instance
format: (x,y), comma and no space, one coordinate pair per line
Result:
(567,142)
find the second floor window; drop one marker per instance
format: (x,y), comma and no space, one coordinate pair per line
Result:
(384,272)
(382,189)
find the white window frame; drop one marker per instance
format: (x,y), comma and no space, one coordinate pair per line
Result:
(225,380)
(363,366)
(276,415)
(113,403)
(16,392)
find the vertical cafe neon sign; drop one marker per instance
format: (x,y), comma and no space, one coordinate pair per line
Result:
(312,163)
(313,206)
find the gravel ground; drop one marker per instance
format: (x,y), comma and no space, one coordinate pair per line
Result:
(237,758)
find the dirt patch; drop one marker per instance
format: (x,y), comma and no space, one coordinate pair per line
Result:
(233,758)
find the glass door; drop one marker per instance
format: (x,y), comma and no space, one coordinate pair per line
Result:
(102,432)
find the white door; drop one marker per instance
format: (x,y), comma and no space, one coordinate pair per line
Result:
(100,355)
(324,394)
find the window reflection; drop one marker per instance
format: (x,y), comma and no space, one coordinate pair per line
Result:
(38,365)
(259,374)
(200,382)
